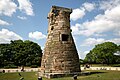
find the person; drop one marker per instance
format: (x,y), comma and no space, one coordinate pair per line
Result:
(19,74)
(75,77)
(86,66)
(3,71)
(22,68)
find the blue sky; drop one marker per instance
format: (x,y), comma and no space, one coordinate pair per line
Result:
(92,21)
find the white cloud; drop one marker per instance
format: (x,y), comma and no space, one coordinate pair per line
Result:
(89,6)
(7,7)
(117,33)
(79,29)
(82,54)
(26,6)
(117,53)
(6,36)
(109,21)
(42,47)
(94,41)
(21,17)
(91,42)
(76,29)
(86,52)
(79,13)
(115,40)
(36,35)
(100,35)
(4,23)
(109,4)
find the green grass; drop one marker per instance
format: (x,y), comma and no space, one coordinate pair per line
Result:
(102,75)
(15,76)
(96,75)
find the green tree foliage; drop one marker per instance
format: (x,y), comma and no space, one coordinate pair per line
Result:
(103,53)
(117,55)
(20,53)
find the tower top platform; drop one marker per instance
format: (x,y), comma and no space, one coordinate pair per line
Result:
(61,8)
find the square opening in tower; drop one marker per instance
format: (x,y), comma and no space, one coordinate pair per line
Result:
(65,37)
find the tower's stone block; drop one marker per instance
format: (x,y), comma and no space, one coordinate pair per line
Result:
(60,54)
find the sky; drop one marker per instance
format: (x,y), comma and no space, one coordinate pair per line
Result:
(92,21)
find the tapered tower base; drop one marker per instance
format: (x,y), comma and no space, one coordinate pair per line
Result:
(60,55)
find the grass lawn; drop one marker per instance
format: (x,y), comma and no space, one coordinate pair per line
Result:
(96,75)
(15,76)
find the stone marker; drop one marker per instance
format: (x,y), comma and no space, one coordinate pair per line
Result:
(39,78)
(60,55)
(75,77)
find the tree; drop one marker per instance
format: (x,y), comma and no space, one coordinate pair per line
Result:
(26,53)
(117,55)
(102,53)
(20,53)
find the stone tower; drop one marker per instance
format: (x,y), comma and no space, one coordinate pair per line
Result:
(60,54)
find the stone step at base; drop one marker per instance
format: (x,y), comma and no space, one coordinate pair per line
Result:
(58,75)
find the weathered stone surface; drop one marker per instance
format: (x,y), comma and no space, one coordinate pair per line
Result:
(60,54)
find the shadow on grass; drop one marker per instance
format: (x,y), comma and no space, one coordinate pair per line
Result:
(87,73)
(97,72)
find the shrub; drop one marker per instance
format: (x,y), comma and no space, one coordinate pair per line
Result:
(11,66)
(116,65)
(34,66)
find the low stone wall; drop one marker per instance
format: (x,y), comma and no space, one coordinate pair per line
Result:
(101,68)
(38,69)
(19,70)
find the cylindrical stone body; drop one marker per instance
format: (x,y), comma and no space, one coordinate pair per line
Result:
(60,54)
